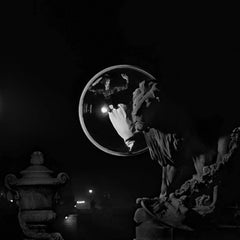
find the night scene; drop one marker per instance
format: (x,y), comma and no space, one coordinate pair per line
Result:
(119,120)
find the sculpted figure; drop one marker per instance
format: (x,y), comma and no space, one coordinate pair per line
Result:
(191,164)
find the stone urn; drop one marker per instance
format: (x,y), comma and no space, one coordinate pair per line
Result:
(36,194)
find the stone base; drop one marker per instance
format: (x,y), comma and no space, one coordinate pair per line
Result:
(150,230)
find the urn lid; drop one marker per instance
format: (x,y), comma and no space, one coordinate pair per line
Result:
(37,173)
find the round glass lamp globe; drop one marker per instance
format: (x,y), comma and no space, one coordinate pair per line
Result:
(111,86)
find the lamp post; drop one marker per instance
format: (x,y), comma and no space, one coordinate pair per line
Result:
(35,194)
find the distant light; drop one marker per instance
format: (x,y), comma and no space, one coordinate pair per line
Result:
(104,109)
(11,200)
(80,202)
(75,205)
(90,191)
(70,221)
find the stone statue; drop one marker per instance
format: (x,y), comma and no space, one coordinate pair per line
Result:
(198,159)
(192,166)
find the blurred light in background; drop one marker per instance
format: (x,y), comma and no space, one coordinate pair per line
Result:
(70,222)
(82,204)
(90,191)
(2,194)
(104,109)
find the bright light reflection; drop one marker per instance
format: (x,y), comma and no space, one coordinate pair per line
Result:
(104,109)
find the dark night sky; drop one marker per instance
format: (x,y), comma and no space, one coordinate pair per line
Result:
(50,49)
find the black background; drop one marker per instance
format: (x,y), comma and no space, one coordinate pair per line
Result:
(50,49)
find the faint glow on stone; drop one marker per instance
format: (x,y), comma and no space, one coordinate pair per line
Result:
(71,222)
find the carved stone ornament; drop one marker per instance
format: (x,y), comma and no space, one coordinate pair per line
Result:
(34,194)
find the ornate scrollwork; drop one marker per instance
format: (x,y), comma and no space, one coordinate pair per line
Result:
(62,178)
(10,180)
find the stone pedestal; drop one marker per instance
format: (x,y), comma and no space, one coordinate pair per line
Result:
(150,231)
